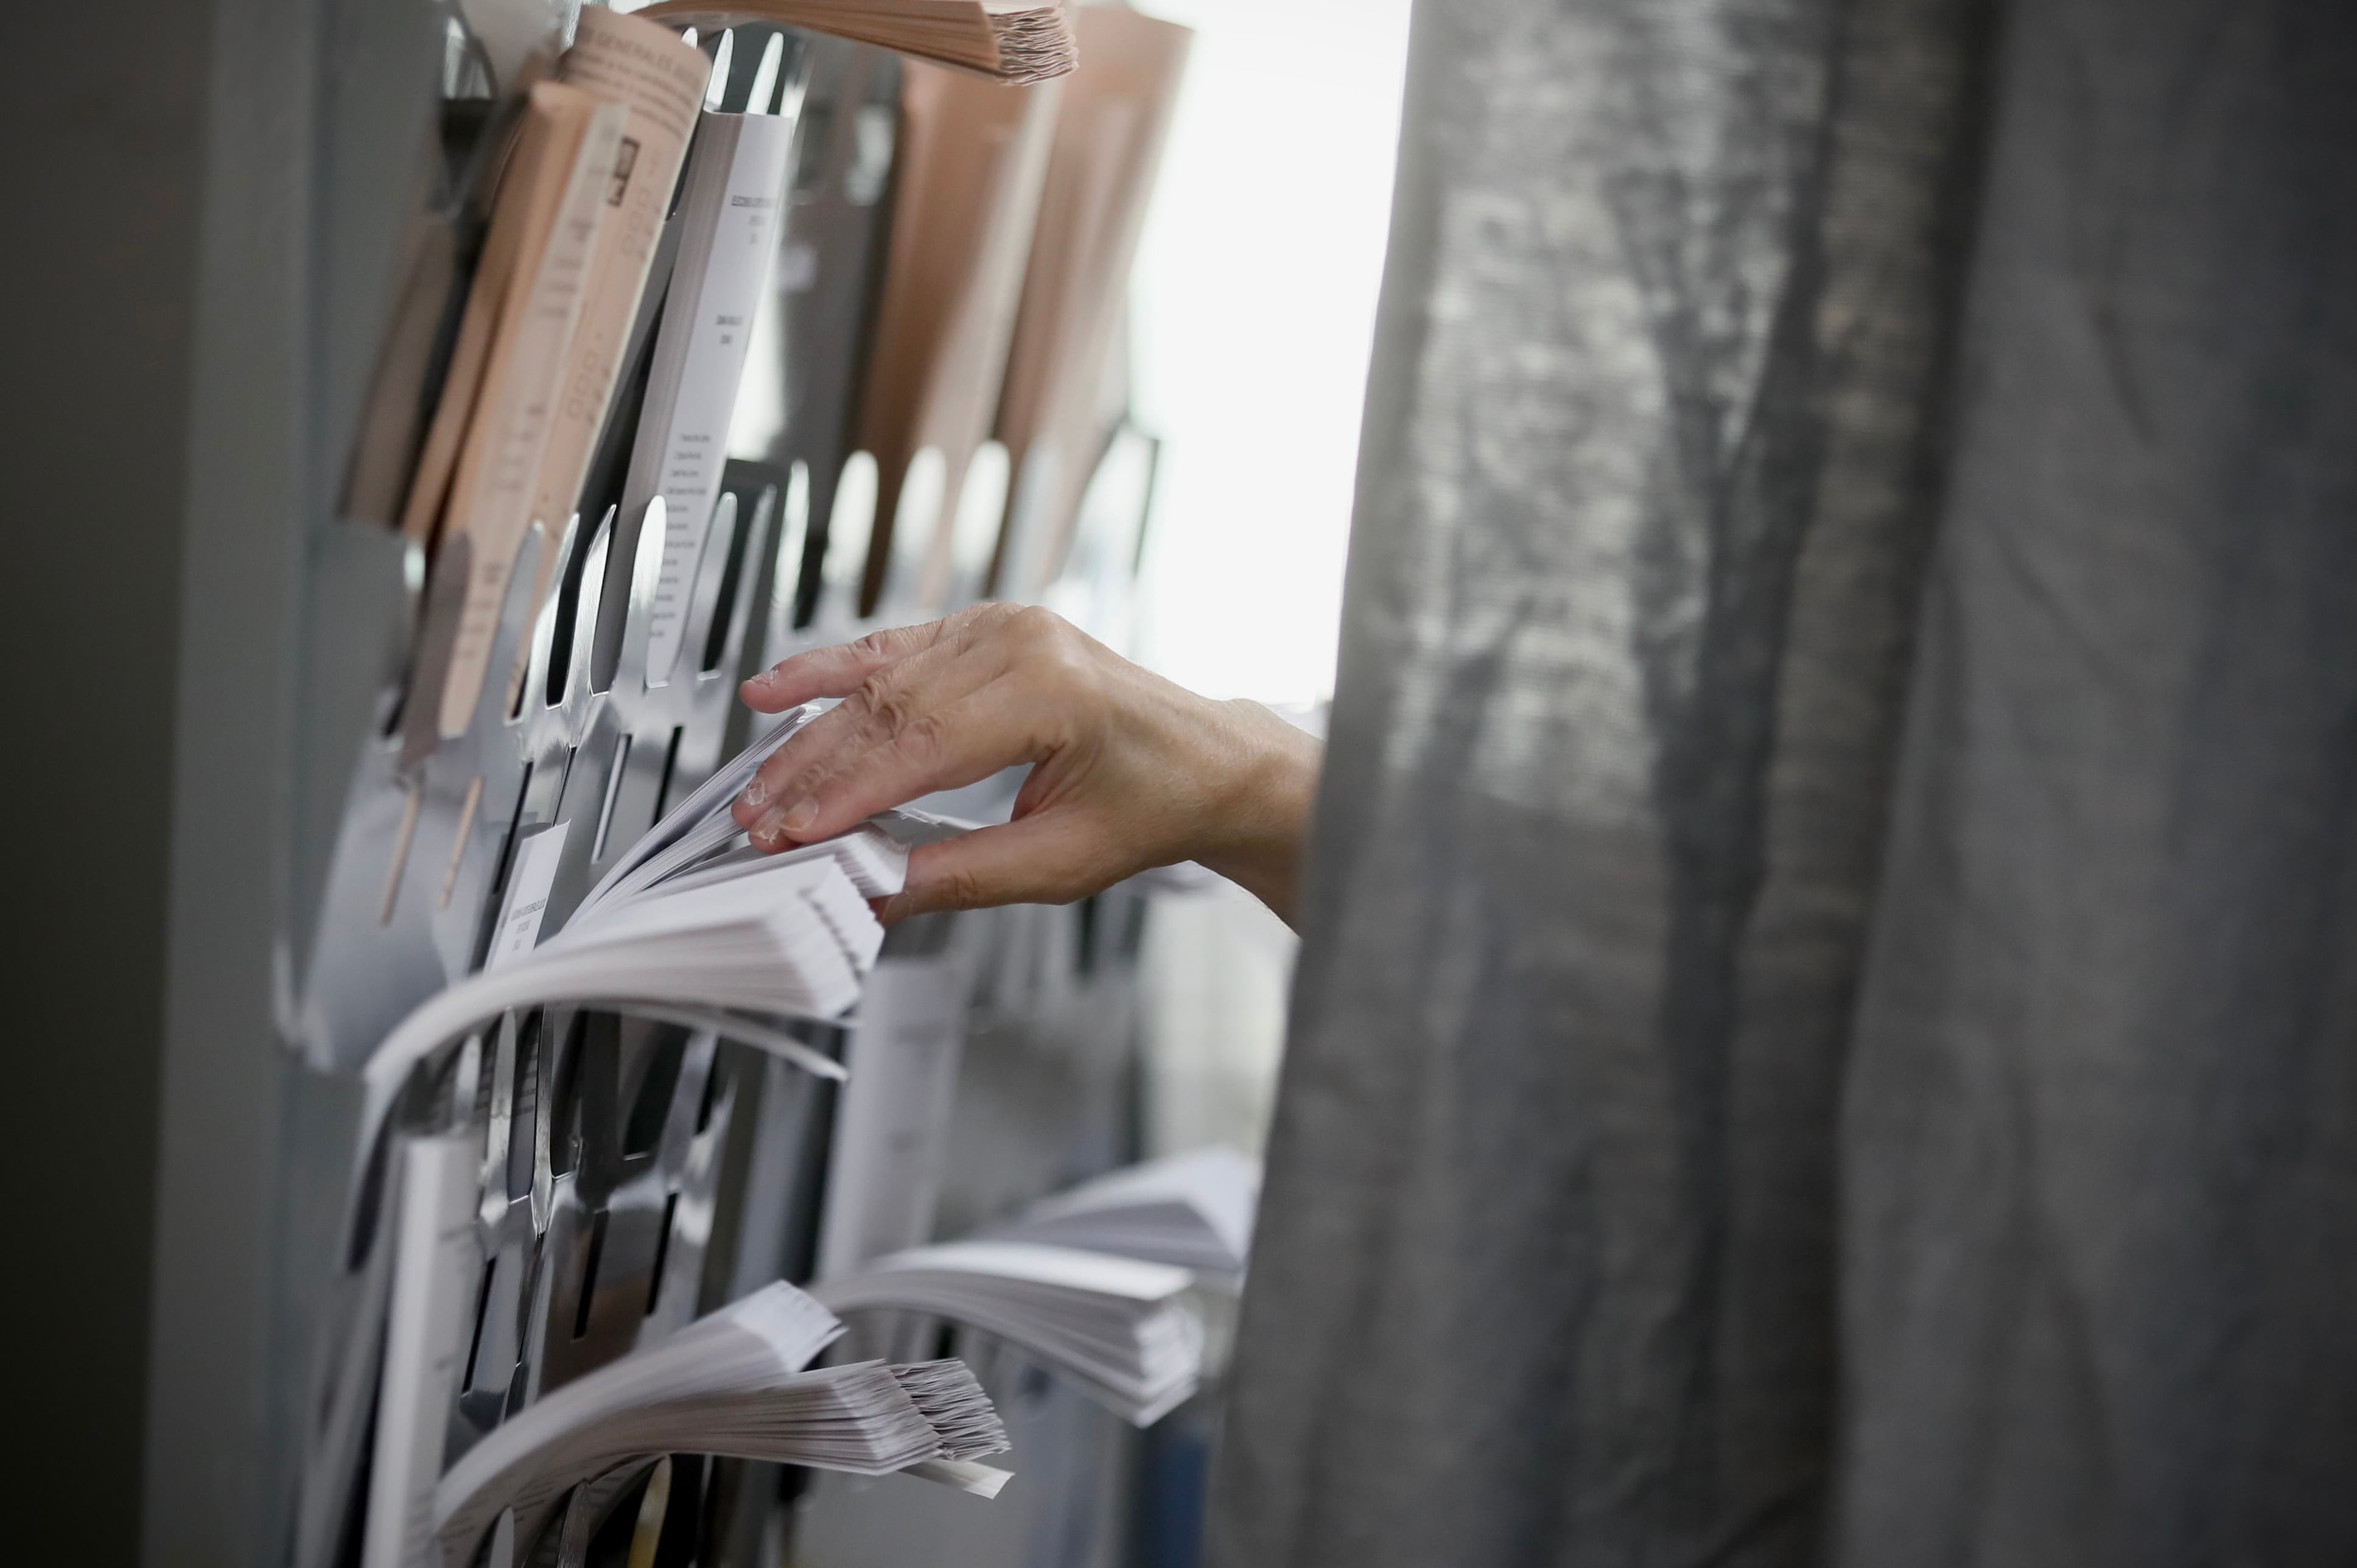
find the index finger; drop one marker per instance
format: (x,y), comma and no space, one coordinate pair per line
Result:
(961,742)
(835,671)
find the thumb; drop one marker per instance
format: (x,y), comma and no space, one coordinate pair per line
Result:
(1054,857)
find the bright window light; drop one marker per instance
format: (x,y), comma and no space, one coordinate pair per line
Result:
(1254,307)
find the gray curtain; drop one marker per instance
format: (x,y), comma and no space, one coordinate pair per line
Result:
(1826,1031)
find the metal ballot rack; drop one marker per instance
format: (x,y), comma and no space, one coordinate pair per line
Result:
(635,1173)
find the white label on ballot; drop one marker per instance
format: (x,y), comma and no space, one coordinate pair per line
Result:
(536,861)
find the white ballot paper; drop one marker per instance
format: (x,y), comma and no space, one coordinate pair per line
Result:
(434,1275)
(1193,1209)
(891,1134)
(533,874)
(730,1384)
(693,926)
(698,842)
(1119,1329)
(793,938)
(732,195)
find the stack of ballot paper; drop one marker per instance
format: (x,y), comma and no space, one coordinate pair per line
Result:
(699,844)
(694,927)
(1194,1210)
(1013,40)
(1118,1328)
(731,1384)
(793,937)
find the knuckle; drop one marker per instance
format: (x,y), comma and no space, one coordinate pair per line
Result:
(961,889)
(888,706)
(873,645)
(797,777)
(925,740)
(1049,643)
(975,625)
(1036,626)
(806,784)
(853,715)
(988,623)
(775,775)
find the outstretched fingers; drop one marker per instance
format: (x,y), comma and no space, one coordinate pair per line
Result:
(935,737)
(883,705)
(838,671)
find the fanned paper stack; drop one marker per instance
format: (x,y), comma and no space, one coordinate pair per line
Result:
(1115,1326)
(1193,1210)
(699,832)
(793,938)
(694,927)
(732,1385)
(1014,40)
(699,844)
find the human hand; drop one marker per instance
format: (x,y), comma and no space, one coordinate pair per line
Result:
(1128,770)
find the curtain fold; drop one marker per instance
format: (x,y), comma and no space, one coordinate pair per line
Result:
(2101,1143)
(1546,1270)
(1824,1032)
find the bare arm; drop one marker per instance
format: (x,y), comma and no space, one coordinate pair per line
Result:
(1128,770)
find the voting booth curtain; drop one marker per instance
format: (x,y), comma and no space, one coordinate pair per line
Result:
(1827,1031)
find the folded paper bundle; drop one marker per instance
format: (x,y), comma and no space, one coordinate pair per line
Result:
(1014,40)
(1194,1210)
(791,938)
(698,844)
(698,827)
(1117,1327)
(733,1385)
(693,926)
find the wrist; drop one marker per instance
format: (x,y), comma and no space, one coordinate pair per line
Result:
(1259,821)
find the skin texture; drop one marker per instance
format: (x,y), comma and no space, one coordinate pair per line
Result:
(1128,772)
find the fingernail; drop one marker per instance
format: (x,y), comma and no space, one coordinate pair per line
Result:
(756,792)
(779,826)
